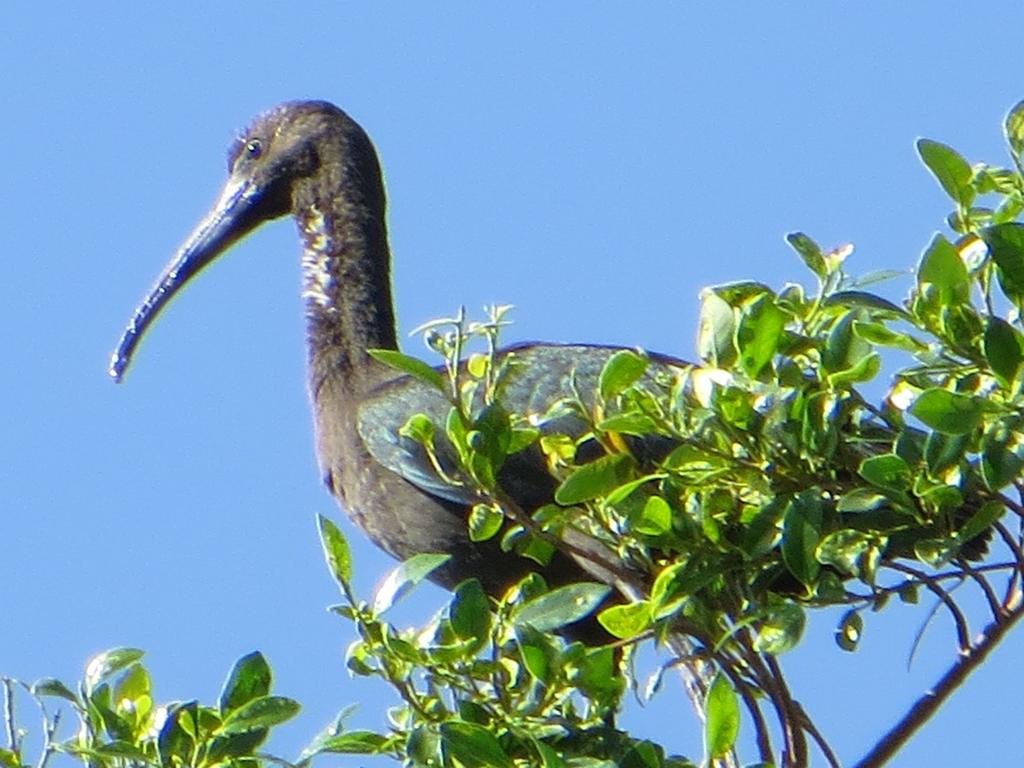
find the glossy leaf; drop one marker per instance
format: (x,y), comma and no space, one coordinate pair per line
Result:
(626,621)
(485,520)
(1002,346)
(850,630)
(758,333)
(108,663)
(801,532)
(410,365)
(722,711)
(597,478)
(473,745)
(405,577)
(1006,245)
(623,369)
(950,413)
(716,330)
(561,606)
(249,678)
(781,628)
(942,267)
(887,471)
(336,551)
(262,712)
(809,251)
(470,611)
(949,168)
(353,743)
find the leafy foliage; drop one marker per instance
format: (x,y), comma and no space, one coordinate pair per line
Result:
(717,501)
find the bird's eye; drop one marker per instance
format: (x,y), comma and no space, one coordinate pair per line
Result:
(253,148)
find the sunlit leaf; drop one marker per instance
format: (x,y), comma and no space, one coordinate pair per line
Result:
(626,621)
(473,745)
(948,412)
(561,606)
(594,479)
(410,365)
(336,551)
(405,577)
(722,710)
(949,168)
(622,370)
(850,630)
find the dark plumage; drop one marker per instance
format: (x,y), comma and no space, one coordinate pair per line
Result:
(311,160)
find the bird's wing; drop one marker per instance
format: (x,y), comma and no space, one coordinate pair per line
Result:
(540,375)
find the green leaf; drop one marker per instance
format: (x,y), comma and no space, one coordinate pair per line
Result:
(627,621)
(941,452)
(1006,245)
(887,471)
(485,521)
(50,686)
(473,745)
(758,334)
(781,628)
(880,334)
(420,428)
(1013,128)
(864,300)
(597,478)
(470,611)
(935,553)
(1001,462)
(717,330)
(722,710)
(561,606)
(1002,346)
(261,712)
(108,663)
(403,578)
(353,743)
(942,267)
(861,500)
(850,630)
(947,412)
(949,168)
(250,678)
(982,520)
(801,532)
(410,365)
(621,371)
(536,650)
(655,518)
(849,551)
(336,551)
(809,251)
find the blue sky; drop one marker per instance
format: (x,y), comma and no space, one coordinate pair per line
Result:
(595,165)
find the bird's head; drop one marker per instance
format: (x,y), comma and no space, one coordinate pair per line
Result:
(298,148)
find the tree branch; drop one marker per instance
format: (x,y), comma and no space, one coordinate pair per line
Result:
(926,706)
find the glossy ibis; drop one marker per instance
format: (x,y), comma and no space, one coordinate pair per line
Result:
(311,160)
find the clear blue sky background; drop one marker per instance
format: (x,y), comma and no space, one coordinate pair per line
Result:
(595,165)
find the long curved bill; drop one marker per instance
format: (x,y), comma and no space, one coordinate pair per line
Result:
(231,217)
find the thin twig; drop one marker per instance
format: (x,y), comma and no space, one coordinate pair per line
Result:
(994,604)
(963,633)
(812,729)
(12,739)
(926,706)
(793,712)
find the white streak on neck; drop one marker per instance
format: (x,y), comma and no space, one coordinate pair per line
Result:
(318,282)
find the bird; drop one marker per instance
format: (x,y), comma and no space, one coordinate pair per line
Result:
(310,160)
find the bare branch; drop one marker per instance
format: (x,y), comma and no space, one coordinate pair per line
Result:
(963,633)
(926,706)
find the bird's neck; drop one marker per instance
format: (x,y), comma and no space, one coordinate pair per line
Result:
(346,281)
